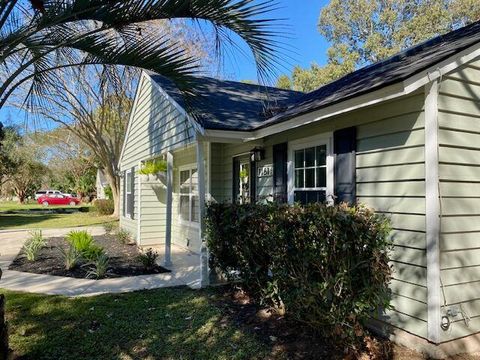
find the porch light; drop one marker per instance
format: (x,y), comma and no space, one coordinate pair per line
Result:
(257,154)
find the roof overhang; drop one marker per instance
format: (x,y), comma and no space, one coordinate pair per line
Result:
(406,87)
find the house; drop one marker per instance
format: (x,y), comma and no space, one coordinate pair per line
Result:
(401,135)
(101,183)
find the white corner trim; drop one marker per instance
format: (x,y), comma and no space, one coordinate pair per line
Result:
(139,205)
(432,215)
(198,128)
(130,118)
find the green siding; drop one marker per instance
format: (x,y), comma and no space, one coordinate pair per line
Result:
(390,178)
(459,173)
(156,126)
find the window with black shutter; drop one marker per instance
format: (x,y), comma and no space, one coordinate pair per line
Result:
(129,196)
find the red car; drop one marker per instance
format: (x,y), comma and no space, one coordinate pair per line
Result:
(58,199)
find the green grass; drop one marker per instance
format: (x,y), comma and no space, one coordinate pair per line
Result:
(45,221)
(15,205)
(175,323)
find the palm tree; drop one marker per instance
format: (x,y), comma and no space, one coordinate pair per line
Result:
(39,36)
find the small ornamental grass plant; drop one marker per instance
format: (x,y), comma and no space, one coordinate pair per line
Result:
(123,236)
(82,248)
(71,257)
(326,267)
(34,243)
(148,259)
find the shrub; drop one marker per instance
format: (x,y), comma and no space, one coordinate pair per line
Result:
(33,245)
(71,257)
(80,240)
(325,266)
(148,259)
(123,236)
(100,267)
(104,206)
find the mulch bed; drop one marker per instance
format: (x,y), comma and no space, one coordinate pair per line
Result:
(292,341)
(123,260)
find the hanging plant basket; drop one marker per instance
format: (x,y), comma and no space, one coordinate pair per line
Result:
(154,170)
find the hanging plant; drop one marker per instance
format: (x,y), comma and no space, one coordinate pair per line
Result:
(153,167)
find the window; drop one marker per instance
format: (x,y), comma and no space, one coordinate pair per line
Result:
(188,201)
(129,184)
(311,171)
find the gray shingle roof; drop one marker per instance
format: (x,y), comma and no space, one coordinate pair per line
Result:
(230,105)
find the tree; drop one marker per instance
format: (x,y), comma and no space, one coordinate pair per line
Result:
(40,36)
(365,31)
(26,171)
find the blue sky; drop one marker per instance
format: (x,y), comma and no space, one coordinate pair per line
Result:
(306,43)
(301,16)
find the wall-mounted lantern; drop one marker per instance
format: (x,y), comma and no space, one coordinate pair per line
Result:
(257,154)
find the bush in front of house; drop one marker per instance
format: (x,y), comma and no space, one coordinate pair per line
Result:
(324,266)
(104,206)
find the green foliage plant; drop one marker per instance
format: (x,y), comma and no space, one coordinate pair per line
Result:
(155,166)
(148,259)
(71,257)
(33,245)
(81,240)
(100,267)
(326,267)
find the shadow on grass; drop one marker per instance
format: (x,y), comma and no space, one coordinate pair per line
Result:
(19,220)
(175,323)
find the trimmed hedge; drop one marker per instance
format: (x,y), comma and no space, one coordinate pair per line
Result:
(104,206)
(325,266)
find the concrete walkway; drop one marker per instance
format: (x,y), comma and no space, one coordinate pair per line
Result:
(185,271)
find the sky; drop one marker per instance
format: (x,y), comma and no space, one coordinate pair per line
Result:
(305,44)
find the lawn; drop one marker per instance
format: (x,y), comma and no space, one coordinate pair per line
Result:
(175,323)
(45,221)
(26,216)
(31,205)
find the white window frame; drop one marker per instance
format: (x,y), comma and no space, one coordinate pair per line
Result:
(312,141)
(128,191)
(190,223)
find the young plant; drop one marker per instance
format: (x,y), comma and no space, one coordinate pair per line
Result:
(148,259)
(108,227)
(124,236)
(71,257)
(33,245)
(93,252)
(80,240)
(100,267)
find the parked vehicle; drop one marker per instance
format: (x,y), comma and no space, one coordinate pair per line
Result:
(58,199)
(46,192)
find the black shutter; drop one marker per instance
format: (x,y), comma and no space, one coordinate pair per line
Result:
(280,176)
(235,179)
(132,197)
(345,145)
(253,181)
(124,198)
